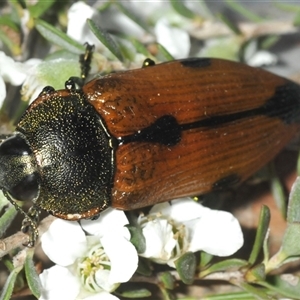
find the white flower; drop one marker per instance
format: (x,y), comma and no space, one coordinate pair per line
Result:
(13,72)
(89,265)
(172,230)
(53,72)
(174,39)
(256,57)
(78,29)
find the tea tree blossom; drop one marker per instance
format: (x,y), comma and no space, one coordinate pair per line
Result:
(173,229)
(92,265)
(13,72)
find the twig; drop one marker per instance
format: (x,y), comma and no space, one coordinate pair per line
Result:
(19,239)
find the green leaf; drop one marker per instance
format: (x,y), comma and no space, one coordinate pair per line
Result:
(6,20)
(138,293)
(293,214)
(245,12)
(137,238)
(287,285)
(298,164)
(32,277)
(224,265)
(296,21)
(287,7)
(255,291)
(22,3)
(180,8)
(255,274)
(186,267)
(132,16)
(205,259)
(262,230)
(9,284)
(140,48)
(291,240)
(165,53)
(58,37)
(229,24)
(167,280)
(278,192)
(105,39)
(40,8)
(7,218)
(13,47)
(144,266)
(231,296)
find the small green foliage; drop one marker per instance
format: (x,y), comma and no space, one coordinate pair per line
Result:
(32,277)
(205,259)
(186,267)
(293,214)
(242,10)
(8,288)
(278,192)
(40,7)
(164,52)
(256,273)
(105,38)
(138,293)
(167,280)
(58,37)
(182,9)
(144,267)
(137,238)
(262,230)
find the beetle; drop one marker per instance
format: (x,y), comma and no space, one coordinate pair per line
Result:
(135,138)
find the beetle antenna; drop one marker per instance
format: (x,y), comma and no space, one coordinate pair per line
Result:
(85,61)
(85,66)
(29,223)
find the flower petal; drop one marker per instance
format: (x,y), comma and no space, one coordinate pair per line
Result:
(182,210)
(11,71)
(102,279)
(111,220)
(64,242)
(217,233)
(59,283)
(159,240)
(2,91)
(78,29)
(123,257)
(175,40)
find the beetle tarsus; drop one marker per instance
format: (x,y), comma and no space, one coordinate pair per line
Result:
(85,61)
(29,226)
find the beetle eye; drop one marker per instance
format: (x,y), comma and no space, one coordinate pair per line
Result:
(26,189)
(14,145)
(18,174)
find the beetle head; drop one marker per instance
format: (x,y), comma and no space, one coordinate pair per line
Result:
(18,176)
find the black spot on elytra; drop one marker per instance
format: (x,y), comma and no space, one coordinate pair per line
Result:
(196,62)
(164,130)
(284,104)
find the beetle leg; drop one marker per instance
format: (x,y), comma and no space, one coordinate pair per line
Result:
(85,61)
(85,65)
(29,225)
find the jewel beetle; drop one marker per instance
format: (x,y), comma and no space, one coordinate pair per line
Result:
(135,138)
